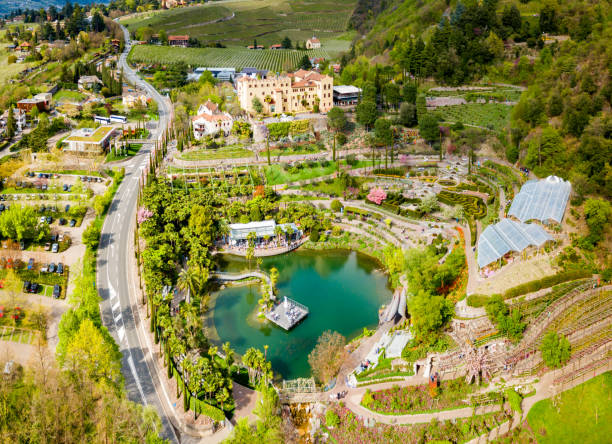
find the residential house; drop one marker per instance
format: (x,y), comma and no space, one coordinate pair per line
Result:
(276,46)
(41,101)
(345,95)
(296,92)
(20,120)
(132,99)
(178,40)
(89,140)
(253,73)
(24,47)
(210,120)
(87,83)
(313,43)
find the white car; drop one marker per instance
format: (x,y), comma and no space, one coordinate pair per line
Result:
(42,219)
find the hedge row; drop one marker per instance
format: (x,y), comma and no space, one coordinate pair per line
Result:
(472,205)
(361,212)
(545,282)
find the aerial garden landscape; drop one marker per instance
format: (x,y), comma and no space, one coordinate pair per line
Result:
(404,238)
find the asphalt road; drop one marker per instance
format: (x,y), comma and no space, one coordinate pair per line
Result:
(116,283)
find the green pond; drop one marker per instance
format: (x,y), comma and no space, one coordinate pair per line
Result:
(342,290)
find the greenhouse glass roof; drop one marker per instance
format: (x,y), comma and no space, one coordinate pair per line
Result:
(541,200)
(508,235)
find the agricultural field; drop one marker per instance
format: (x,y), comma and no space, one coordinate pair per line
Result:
(270,59)
(493,116)
(267,21)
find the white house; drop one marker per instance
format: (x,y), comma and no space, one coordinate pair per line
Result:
(130,100)
(20,119)
(88,82)
(313,43)
(210,120)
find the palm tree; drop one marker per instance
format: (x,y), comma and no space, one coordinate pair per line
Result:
(278,231)
(189,281)
(273,278)
(229,355)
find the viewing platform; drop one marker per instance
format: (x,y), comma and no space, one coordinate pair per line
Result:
(287,314)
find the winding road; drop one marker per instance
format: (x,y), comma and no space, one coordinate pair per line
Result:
(115,279)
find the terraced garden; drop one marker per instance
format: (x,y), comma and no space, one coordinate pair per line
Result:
(270,59)
(493,116)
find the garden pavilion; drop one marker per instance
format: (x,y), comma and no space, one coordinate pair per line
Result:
(266,229)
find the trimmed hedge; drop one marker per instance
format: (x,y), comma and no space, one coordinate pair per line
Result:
(472,205)
(477,300)
(548,281)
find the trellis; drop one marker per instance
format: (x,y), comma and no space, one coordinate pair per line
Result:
(300,385)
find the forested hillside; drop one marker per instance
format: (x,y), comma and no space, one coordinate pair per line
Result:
(559,50)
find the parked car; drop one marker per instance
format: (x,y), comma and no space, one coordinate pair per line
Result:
(51,268)
(42,209)
(44,268)
(67,208)
(54,238)
(65,187)
(72,222)
(49,219)
(55,248)
(21,245)
(26,286)
(62,221)
(60,268)
(42,219)
(47,246)
(57,291)
(30,263)
(34,287)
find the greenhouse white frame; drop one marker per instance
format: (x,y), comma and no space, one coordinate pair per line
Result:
(544,200)
(508,235)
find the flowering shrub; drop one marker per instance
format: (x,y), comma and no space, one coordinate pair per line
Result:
(143,215)
(377,195)
(352,429)
(417,398)
(351,193)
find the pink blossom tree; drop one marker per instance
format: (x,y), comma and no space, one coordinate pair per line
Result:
(377,195)
(143,215)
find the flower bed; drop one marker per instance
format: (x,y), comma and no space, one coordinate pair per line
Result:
(350,429)
(418,398)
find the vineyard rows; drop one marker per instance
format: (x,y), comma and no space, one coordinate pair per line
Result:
(272,60)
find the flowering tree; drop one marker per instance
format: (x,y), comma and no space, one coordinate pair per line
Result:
(143,215)
(377,195)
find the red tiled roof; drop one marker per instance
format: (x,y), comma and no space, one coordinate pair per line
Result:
(211,118)
(178,37)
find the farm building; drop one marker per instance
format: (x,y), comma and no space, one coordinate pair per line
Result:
(90,141)
(178,40)
(506,238)
(296,92)
(346,95)
(210,120)
(277,46)
(544,200)
(313,43)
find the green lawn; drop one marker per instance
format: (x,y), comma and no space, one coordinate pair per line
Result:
(276,174)
(133,149)
(583,414)
(8,333)
(68,96)
(10,70)
(226,152)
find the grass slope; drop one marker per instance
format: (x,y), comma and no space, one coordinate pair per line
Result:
(583,414)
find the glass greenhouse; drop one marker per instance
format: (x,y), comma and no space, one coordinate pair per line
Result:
(544,200)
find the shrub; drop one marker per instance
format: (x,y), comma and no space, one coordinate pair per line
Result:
(336,206)
(331,418)
(314,235)
(556,350)
(477,300)
(514,399)
(548,281)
